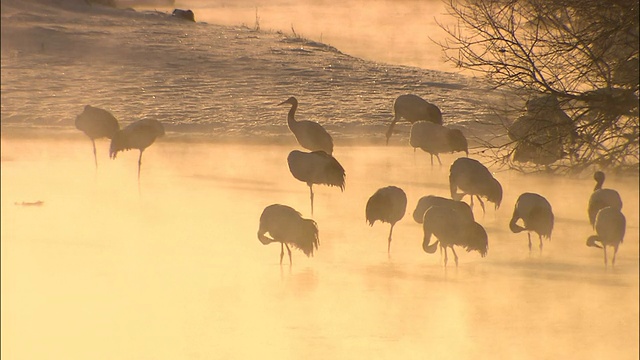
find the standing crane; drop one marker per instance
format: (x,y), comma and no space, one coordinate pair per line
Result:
(601,198)
(610,227)
(97,123)
(428,201)
(389,205)
(316,167)
(452,228)
(138,135)
(286,226)
(310,135)
(436,139)
(413,108)
(473,178)
(536,214)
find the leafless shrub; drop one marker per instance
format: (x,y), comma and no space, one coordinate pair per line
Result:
(573,62)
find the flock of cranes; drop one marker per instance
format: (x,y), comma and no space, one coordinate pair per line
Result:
(450,221)
(98,123)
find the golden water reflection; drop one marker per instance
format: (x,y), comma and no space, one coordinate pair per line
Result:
(100,271)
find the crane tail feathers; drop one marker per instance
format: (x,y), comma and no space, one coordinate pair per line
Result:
(308,239)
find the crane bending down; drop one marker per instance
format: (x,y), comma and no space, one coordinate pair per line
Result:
(536,214)
(316,167)
(473,178)
(610,227)
(601,198)
(97,123)
(310,135)
(286,226)
(436,139)
(138,135)
(389,205)
(413,108)
(425,202)
(452,228)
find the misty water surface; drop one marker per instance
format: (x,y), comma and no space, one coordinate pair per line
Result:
(176,271)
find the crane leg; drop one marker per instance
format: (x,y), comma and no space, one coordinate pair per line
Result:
(95,156)
(455,256)
(604,246)
(529,235)
(471,200)
(311,196)
(431,159)
(437,157)
(389,242)
(481,203)
(289,252)
(540,237)
(615,251)
(390,130)
(446,258)
(139,164)
(281,252)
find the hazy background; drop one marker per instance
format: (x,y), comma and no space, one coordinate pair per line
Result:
(391,31)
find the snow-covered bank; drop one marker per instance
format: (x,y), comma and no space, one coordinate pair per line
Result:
(202,80)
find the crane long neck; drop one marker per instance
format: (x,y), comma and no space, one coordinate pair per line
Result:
(599,183)
(290,117)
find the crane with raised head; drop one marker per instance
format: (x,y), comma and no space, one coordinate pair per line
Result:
(309,134)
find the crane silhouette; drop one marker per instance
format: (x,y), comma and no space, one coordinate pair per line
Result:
(473,178)
(389,205)
(436,139)
(610,226)
(97,123)
(428,201)
(536,214)
(138,135)
(286,226)
(601,198)
(452,228)
(413,108)
(310,135)
(316,167)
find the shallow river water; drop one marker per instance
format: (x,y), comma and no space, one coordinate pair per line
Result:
(173,269)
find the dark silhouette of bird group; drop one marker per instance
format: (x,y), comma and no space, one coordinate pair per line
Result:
(317,167)
(449,220)
(451,228)
(413,108)
(605,214)
(98,123)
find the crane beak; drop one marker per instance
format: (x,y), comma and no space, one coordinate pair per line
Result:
(284,102)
